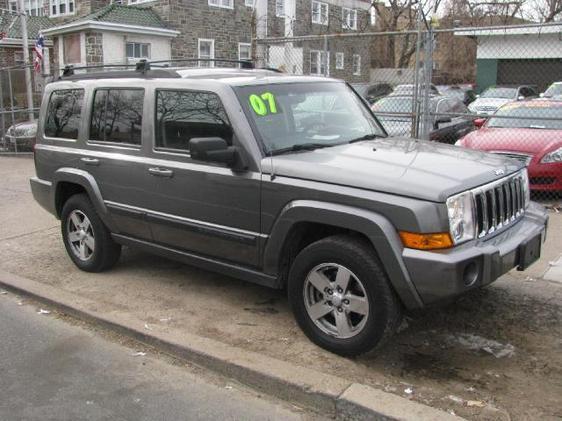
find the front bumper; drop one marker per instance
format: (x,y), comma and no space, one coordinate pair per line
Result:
(439,275)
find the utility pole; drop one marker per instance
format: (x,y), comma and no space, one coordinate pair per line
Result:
(27,63)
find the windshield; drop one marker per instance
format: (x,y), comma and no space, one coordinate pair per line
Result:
(506,93)
(308,114)
(554,90)
(529,116)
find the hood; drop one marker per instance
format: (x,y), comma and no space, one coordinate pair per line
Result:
(420,169)
(530,141)
(489,102)
(26,129)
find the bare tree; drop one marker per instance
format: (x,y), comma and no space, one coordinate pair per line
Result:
(543,10)
(402,15)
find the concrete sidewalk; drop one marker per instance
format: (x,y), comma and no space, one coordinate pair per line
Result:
(329,395)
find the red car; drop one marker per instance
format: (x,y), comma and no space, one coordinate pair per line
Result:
(530,131)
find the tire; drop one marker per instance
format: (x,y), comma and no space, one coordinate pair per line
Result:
(87,240)
(349,327)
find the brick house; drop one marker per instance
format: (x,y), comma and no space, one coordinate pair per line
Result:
(89,32)
(12,61)
(114,34)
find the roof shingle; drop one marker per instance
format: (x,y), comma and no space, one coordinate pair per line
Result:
(126,15)
(11,24)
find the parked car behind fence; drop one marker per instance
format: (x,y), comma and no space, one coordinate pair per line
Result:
(395,113)
(529,131)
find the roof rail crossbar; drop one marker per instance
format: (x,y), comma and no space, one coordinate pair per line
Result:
(244,64)
(142,66)
(69,69)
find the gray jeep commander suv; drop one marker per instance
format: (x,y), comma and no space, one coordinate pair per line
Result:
(289,182)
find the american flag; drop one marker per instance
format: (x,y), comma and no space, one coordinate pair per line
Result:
(38,48)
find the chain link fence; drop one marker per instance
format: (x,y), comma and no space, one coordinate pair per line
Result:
(496,89)
(17,124)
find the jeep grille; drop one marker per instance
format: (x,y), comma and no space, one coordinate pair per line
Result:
(499,203)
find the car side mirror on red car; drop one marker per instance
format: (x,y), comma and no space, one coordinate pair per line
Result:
(479,122)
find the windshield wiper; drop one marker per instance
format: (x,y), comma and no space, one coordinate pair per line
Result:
(301,147)
(365,137)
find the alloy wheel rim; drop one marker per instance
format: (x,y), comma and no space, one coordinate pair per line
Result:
(80,235)
(336,300)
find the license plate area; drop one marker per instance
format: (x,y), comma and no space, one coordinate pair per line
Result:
(529,252)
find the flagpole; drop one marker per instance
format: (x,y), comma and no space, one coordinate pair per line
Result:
(27,70)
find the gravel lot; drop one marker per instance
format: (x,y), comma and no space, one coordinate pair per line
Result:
(494,354)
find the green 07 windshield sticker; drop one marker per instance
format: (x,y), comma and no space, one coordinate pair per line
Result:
(263,104)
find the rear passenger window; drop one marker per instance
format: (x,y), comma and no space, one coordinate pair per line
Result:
(117,116)
(63,113)
(183,115)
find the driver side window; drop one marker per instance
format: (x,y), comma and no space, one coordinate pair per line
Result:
(184,115)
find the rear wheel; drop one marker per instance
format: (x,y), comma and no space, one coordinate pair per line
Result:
(87,240)
(341,297)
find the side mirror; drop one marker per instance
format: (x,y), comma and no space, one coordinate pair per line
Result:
(442,120)
(212,149)
(520,98)
(479,122)
(541,95)
(477,96)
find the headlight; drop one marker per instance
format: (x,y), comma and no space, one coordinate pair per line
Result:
(526,188)
(551,157)
(461,217)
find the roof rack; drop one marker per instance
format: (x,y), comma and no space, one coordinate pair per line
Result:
(144,67)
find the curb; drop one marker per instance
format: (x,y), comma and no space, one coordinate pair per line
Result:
(329,395)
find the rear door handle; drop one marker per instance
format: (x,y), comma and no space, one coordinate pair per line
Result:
(160,172)
(90,161)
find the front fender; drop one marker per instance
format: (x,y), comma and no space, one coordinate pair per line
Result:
(88,182)
(375,227)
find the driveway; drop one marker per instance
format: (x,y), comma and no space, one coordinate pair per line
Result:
(494,354)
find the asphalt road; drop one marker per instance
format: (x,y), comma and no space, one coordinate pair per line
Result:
(54,370)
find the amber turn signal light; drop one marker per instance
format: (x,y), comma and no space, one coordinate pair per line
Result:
(440,240)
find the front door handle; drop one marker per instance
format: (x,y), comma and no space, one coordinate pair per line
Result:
(160,172)
(90,161)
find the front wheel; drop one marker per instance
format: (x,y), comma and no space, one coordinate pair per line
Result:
(341,297)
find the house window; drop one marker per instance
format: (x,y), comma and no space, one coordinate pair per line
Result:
(63,114)
(182,115)
(62,7)
(132,1)
(32,7)
(249,3)
(349,18)
(18,58)
(227,4)
(71,49)
(279,8)
(137,50)
(206,51)
(117,116)
(339,61)
(318,62)
(373,15)
(244,51)
(356,64)
(319,12)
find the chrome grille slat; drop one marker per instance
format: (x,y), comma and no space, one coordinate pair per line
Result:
(498,204)
(494,210)
(501,207)
(509,211)
(485,224)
